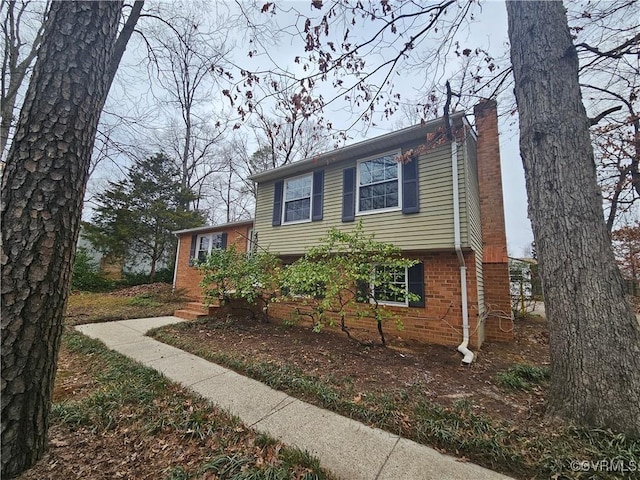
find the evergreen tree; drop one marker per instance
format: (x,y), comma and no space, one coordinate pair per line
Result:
(136,216)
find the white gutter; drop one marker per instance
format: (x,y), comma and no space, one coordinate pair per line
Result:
(463,347)
(175,266)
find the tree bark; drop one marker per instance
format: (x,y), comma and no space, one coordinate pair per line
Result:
(42,190)
(594,336)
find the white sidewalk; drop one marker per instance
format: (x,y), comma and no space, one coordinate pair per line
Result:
(348,449)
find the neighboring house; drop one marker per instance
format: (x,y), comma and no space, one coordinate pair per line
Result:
(110,267)
(113,267)
(442,205)
(521,277)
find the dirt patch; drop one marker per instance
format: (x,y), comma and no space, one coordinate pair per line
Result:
(425,370)
(141,301)
(146,289)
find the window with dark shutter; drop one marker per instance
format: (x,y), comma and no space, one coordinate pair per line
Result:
(416,284)
(277,203)
(349,194)
(378,186)
(410,197)
(192,251)
(223,241)
(318,192)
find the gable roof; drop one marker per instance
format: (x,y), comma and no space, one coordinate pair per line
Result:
(358,150)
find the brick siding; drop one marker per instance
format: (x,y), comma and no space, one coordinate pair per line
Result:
(499,325)
(187,277)
(440,321)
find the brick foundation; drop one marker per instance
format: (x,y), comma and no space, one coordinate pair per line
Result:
(440,321)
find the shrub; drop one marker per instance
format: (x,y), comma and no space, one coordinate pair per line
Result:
(86,275)
(341,275)
(131,279)
(229,274)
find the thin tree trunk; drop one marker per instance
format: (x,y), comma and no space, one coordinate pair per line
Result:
(42,189)
(594,335)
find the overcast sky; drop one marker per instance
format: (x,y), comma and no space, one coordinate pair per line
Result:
(489,31)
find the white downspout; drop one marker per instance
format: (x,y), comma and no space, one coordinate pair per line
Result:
(175,267)
(463,347)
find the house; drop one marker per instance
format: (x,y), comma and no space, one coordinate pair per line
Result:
(441,204)
(195,244)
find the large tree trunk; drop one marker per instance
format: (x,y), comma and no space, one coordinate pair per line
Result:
(42,190)
(594,335)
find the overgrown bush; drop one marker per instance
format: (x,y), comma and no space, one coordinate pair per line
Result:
(229,274)
(86,274)
(341,275)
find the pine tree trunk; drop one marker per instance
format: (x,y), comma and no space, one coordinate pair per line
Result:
(594,335)
(42,189)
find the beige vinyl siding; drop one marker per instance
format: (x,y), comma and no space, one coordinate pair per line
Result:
(431,228)
(474,221)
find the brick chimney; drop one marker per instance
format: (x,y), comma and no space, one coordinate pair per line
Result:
(495,263)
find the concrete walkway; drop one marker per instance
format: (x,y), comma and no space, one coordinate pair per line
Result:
(348,449)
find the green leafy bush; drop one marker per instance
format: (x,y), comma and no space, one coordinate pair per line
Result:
(340,276)
(86,274)
(229,274)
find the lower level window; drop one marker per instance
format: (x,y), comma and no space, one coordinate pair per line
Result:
(390,285)
(206,243)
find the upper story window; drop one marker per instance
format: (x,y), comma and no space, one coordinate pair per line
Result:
(297,199)
(378,184)
(208,242)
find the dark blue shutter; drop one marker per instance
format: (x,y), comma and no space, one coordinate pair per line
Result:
(192,251)
(277,203)
(410,198)
(349,194)
(223,241)
(318,187)
(362,291)
(416,283)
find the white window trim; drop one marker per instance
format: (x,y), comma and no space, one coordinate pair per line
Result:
(392,304)
(250,242)
(395,154)
(284,200)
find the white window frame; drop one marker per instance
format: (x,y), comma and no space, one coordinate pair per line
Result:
(395,154)
(389,303)
(284,200)
(210,236)
(250,242)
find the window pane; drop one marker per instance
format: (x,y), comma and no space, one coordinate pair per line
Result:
(394,285)
(298,188)
(204,244)
(297,210)
(378,170)
(297,203)
(216,241)
(378,186)
(380,195)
